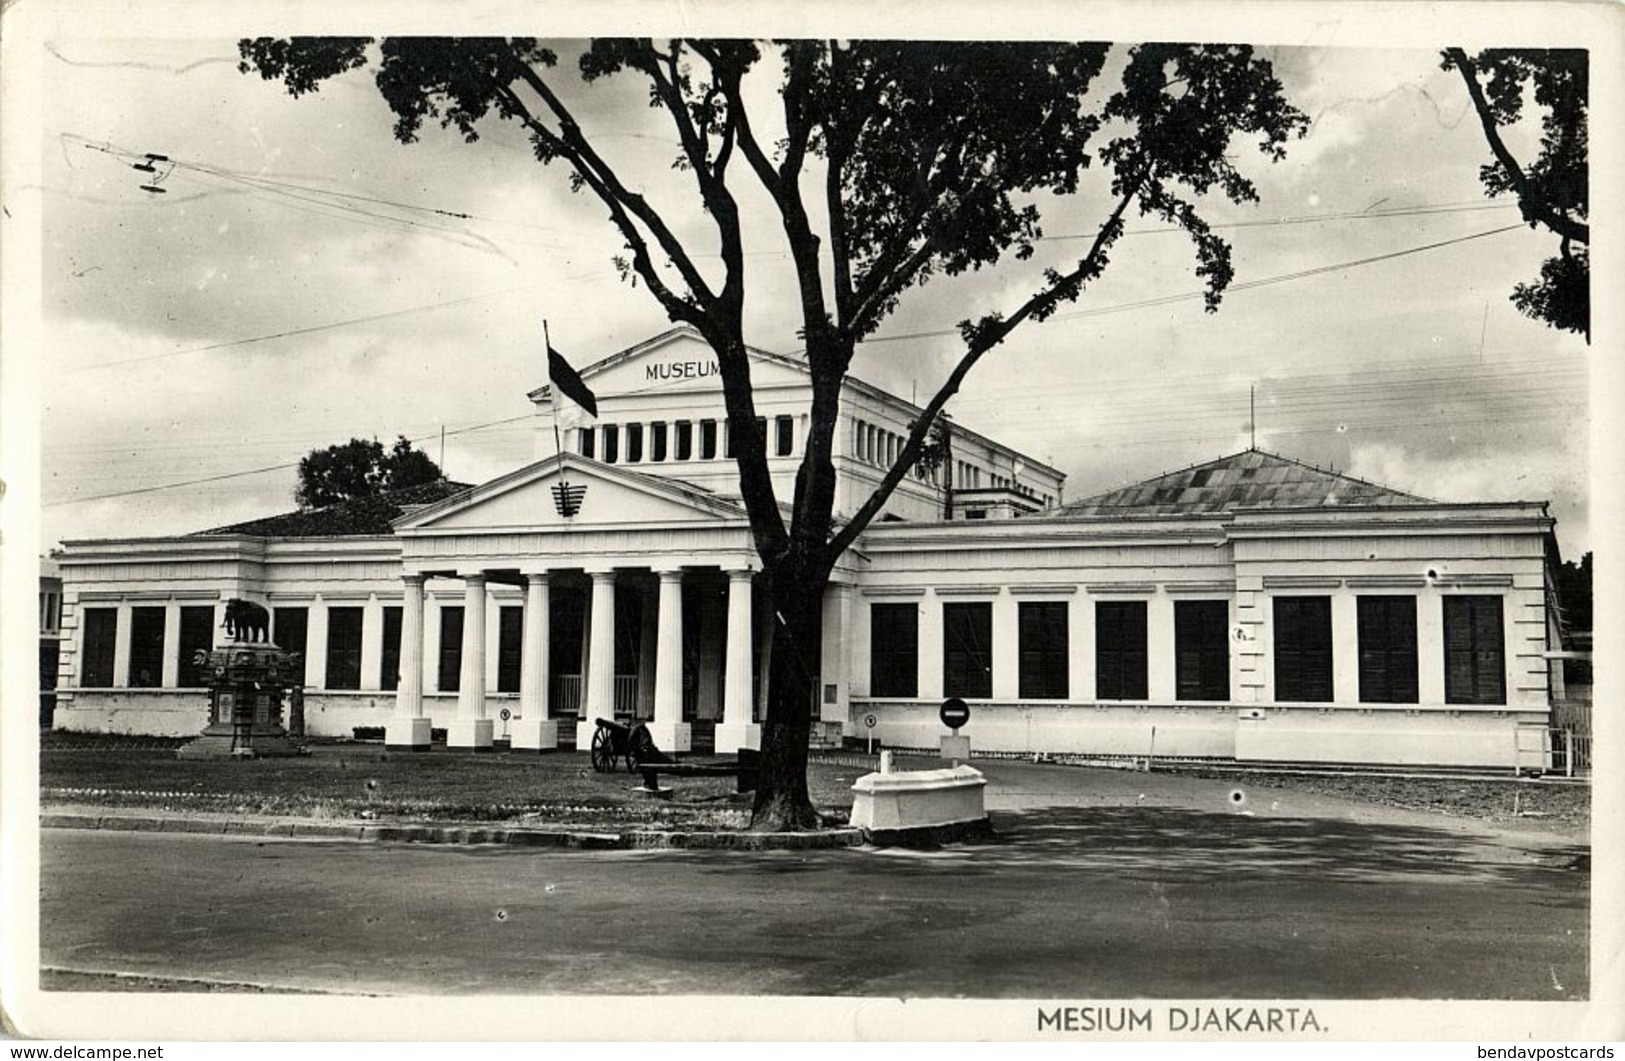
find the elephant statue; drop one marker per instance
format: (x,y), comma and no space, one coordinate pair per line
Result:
(247,621)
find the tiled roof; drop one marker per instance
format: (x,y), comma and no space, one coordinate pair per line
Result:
(1249,479)
(362,516)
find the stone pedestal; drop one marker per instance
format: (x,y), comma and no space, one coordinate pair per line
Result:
(533,734)
(470,734)
(407,734)
(247,682)
(925,804)
(731,736)
(671,737)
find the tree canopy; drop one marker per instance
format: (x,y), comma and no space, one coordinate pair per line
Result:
(887,163)
(1553,191)
(358,469)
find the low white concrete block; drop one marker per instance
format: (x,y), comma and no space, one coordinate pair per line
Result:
(469,733)
(407,733)
(671,736)
(918,799)
(730,738)
(533,734)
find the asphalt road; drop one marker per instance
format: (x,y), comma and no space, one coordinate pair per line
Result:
(1150,900)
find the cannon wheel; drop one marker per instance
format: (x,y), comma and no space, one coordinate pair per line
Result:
(603,751)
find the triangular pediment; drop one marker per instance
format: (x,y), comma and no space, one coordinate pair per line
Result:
(610,496)
(679,361)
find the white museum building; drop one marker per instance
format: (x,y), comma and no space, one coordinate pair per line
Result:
(1252,607)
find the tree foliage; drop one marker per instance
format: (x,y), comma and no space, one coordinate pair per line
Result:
(1553,190)
(1574,592)
(361,469)
(887,164)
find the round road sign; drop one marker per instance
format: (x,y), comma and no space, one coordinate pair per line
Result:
(870,720)
(955,712)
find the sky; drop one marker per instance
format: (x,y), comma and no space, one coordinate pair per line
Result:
(304,279)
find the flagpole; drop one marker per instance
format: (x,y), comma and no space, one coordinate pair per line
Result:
(558,444)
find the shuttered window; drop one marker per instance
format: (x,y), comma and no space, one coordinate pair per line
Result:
(1202,650)
(612,443)
(146,648)
(101,636)
(1120,657)
(588,439)
(344,648)
(1387,632)
(197,635)
(967,649)
(684,447)
(1042,629)
(510,634)
(1474,651)
(1303,649)
(288,629)
(389,664)
(894,650)
(784,435)
(451,649)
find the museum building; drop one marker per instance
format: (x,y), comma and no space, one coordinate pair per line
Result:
(1251,607)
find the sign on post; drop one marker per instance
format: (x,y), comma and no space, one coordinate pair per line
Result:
(954,713)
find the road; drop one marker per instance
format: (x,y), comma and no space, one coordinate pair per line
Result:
(1078,902)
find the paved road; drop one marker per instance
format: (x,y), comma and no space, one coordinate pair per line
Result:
(1147,898)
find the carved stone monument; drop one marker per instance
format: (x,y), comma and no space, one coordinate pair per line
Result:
(247,677)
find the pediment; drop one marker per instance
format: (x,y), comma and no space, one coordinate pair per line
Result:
(526,500)
(681,361)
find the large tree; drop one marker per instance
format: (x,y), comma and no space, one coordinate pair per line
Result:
(886,164)
(361,468)
(1553,189)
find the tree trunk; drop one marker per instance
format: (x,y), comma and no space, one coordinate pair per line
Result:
(795,595)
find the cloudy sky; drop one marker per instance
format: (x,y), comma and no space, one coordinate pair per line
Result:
(305,279)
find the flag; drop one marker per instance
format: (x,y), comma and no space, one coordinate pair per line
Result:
(567,381)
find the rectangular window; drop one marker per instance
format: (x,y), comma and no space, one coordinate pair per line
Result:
(1042,629)
(1474,651)
(612,443)
(967,649)
(1202,650)
(510,636)
(708,440)
(588,440)
(657,441)
(634,443)
(784,428)
(894,650)
(1387,632)
(288,629)
(389,666)
(343,648)
(1303,649)
(1120,655)
(101,635)
(197,635)
(451,649)
(685,440)
(146,648)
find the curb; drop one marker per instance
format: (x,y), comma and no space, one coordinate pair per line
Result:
(423,833)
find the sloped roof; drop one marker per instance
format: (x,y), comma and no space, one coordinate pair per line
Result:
(361,516)
(1249,479)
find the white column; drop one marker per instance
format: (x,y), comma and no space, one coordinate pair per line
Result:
(533,730)
(316,644)
(372,643)
(836,657)
(121,645)
(1161,683)
(1345,648)
(598,690)
(1006,647)
(736,730)
(1430,646)
(471,729)
(171,675)
(408,730)
(670,732)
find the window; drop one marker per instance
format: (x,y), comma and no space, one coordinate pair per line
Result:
(1202,650)
(146,648)
(588,438)
(634,443)
(389,666)
(708,440)
(657,441)
(451,649)
(50,612)
(1303,649)
(685,440)
(1042,628)
(510,634)
(1474,653)
(343,648)
(785,431)
(894,650)
(1120,656)
(288,629)
(967,649)
(197,635)
(1387,632)
(101,635)
(612,443)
